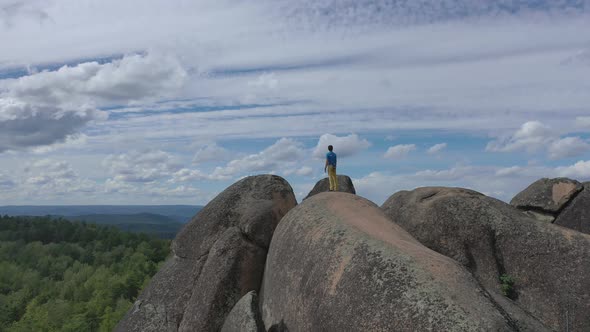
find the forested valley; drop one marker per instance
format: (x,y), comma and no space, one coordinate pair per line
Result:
(58,275)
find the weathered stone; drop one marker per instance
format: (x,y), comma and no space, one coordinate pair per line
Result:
(234,267)
(577,214)
(547,195)
(344,185)
(245,316)
(337,263)
(224,243)
(550,264)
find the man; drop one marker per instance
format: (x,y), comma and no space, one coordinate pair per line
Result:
(331,166)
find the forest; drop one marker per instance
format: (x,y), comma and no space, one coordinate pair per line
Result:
(59,275)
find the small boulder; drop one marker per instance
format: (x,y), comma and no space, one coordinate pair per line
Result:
(549,264)
(577,214)
(216,258)
(547,196)
(344,185)
(245,316)
(337,263)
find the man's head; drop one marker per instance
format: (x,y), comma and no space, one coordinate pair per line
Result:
(330,148)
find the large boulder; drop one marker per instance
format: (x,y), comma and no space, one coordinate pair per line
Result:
(337,263)
(547,196)
(344,185)
(576,215)
(217,258)
(245,316)
(549,264)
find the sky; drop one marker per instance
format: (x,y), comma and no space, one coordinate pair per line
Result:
(170,102)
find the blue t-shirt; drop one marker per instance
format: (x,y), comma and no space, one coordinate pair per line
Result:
(331,156)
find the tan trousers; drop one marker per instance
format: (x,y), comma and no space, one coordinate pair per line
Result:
(333,178)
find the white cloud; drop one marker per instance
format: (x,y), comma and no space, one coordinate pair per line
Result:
(304,171)
(437,148)
(568,147)
(187,175)
(579,170)
(344,146)
(532,136)
(131,78)
(283,154)
(211,152)
(141,166)
(48,107)
(399,151)
(52,177)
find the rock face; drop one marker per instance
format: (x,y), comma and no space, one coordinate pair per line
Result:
(245,316)
(561,201)
(344,185)
(549,264)
(547,195)
(217,258)
(577,214)
(337,263)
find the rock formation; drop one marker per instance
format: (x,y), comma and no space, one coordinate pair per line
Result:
(545,198)
(337,263)
(562,201)
(431,259)
(217,258)
(344,185)
(550,265)
(576,215)
(245,316)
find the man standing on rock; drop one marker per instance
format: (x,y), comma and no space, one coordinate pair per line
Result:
(331,166)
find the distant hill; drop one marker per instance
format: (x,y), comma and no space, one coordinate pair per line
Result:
(149,223)
(163,221)
(180,213)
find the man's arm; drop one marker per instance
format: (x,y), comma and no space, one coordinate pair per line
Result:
(326,165)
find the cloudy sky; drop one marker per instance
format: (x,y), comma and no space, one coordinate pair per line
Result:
(165,102)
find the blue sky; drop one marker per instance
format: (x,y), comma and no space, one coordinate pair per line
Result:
(159,102)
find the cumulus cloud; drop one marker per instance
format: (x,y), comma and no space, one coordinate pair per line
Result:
(47,107)
(52,177)
(532,136)
(399,151)
(25,125)
(436,148)
(131,78)
(579,170)
(283,154)
(211,152)
(568,147)
(304,171)
(141,166)
(344,146)
(187,175)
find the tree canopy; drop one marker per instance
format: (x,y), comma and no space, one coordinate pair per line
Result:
(58,275)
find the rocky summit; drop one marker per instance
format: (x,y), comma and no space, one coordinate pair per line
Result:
(345,185)
(336,263)
(431,259)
